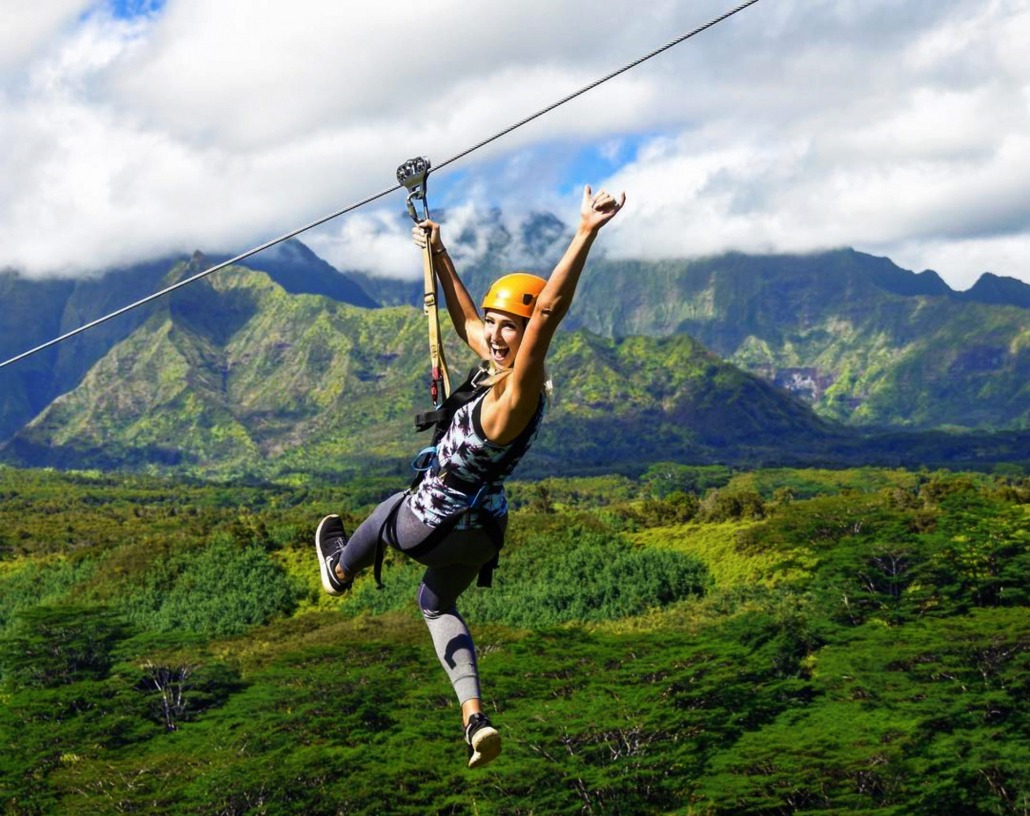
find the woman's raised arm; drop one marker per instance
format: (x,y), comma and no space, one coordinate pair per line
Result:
(554,300)
(462,309)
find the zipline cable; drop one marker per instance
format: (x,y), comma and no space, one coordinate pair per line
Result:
(377,196)
(198,276)
(595,83)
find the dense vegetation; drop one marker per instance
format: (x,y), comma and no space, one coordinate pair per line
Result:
(693,641)
(867,342)
(234,376)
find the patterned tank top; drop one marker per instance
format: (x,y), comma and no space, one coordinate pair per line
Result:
(465,453)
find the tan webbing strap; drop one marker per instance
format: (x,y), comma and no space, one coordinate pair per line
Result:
(413,175)
(440,388)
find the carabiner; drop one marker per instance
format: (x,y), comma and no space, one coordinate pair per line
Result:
(426,461)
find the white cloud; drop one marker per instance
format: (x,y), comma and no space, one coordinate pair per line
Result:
(30,26)
(375,243)
(381,242)
(939,165)
(897,128)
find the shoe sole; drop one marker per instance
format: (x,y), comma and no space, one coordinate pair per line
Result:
(486,745)
(323,568)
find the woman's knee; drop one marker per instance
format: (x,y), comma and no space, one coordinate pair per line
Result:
(431,605)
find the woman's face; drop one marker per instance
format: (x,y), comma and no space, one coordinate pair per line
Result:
(503,332)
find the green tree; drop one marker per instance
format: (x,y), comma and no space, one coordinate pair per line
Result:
(51,646)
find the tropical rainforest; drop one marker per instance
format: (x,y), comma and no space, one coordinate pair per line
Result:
(691,640)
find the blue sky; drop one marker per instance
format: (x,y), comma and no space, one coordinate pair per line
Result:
(128,9)
(137,128)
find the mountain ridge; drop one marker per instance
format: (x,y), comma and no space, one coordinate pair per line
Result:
(868,356)
(235,377)
(863,340)
(853,336)
(236,369)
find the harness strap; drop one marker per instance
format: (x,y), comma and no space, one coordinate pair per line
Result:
(492,527)
(414,175)
(440,384)
(426,462)
(440,420)
(389,522)
(455,482)
(442,415)
(496,532)
(493,530)
(428,419)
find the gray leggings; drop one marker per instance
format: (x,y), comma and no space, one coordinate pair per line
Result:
(451,566)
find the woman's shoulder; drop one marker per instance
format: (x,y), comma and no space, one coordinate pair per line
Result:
(504,414)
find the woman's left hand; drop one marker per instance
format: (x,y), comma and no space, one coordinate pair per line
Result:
(597,210)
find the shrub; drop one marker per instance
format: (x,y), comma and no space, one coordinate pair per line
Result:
(223,589)
(726,505)
(592,577)
(51,646)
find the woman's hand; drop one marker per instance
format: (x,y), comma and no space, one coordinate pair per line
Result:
(598,210)
(428,230)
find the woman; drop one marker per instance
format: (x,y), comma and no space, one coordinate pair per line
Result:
(453,521)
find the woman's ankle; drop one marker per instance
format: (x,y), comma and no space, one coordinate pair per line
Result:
(468,708)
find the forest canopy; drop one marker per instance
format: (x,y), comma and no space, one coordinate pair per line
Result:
(696,641)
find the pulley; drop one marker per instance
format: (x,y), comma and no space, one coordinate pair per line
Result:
(414,175)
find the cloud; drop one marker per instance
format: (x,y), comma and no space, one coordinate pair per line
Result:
(376,243)
(897,128)
(929,165)
(29,27)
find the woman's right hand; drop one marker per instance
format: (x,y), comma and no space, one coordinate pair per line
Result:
(427,230)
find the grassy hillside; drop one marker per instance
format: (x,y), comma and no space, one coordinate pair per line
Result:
(862,340)
(232,370)
(698,641)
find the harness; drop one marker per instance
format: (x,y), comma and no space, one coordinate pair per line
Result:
(426,462)
(413,175)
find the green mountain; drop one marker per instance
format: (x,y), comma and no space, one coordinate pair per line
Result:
(999,291)
(37,311)
(300,271)
(229,369)
(235,375)
(865,342)
(298,370)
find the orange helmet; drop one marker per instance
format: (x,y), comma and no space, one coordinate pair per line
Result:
(515,293)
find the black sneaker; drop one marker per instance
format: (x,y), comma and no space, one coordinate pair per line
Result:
(330,538)
(483,741)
